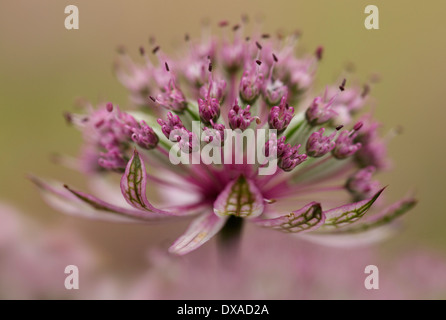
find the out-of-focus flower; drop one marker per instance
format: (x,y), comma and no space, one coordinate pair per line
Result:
(229,85)
(33,258)
(272,266)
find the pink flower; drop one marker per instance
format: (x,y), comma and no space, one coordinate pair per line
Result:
(33,258)
(222,197)
(273,266)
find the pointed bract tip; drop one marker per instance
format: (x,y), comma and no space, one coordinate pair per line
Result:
(68,117)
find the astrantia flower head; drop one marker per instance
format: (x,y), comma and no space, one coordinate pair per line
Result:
(194,101)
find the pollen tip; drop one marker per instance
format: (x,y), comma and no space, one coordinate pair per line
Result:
(155,50)
(358,126)
(120,49)
(55,158)
(259,46)
(167,66)
(210,67)
(265,36)
(236,27)
(339,127)
(342,86)
(275,58)
(152,98)
(259,62)
(319,52)
(68,117)
(223,23)
(186,37)
(142,51)
(399,129)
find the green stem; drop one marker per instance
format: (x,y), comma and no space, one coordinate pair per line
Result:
(229,240)
(193,115)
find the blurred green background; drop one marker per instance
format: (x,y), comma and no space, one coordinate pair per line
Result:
(44,68)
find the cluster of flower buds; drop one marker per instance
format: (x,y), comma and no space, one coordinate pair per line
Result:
(110,131)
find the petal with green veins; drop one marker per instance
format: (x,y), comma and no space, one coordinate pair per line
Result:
(199,232)
(133,186)
(382,218)
(349,213)
(305,219)
(240,198)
